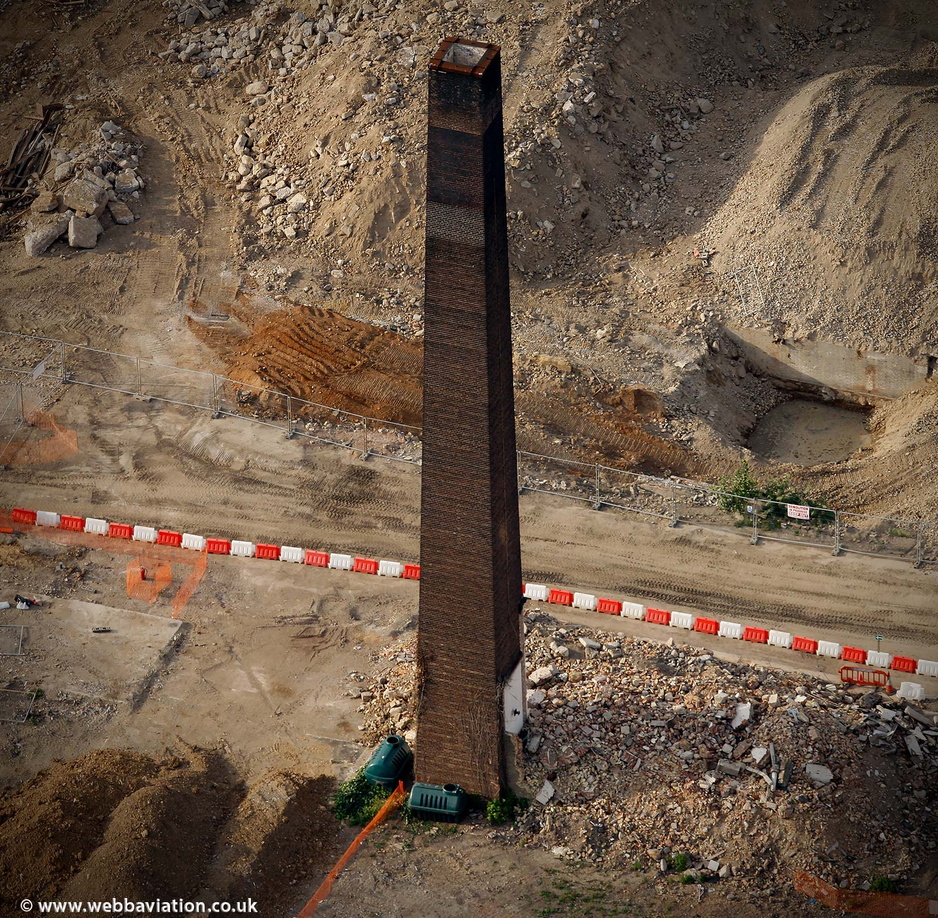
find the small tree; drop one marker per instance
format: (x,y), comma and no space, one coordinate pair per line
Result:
(738,488)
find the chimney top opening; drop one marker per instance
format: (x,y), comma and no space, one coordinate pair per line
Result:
(464,55)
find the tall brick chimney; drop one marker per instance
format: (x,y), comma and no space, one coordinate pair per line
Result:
(469,633)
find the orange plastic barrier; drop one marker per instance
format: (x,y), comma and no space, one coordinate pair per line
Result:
(805,645)
(560,597)
(73,523)
(268,552)
(854,675)
(391,804)
(365,566)
(658,616)
(218,546)
(120,531)
(904,664)
(609,606)
(411,572)
(316,558)
(853,655)
(756,635)
(706,625)
(168,537)
(24,516)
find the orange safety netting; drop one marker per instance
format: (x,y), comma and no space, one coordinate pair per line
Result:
(390,805)
(139,587)
(190,584)
(881,904)
(62,444)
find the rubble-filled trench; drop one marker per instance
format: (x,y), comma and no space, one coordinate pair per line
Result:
(643,755)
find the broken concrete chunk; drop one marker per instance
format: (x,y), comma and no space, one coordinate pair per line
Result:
(819,774)
(120,212)
(545,793)
(758,753)
(743,715)
(928,720)
(46,202)
(83,232)
(126,181)
(729,768)
(590,644)
(257,88)
(913,746)
(83,197)
(542,674)
(43,231)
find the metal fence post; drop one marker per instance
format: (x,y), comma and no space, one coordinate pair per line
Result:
(836,550)
(139,383)
(597,485)
(754,539)
(216,404)
(366,452)
(19,387)
(62,359)
(675,516)
(289,434)
(920,547)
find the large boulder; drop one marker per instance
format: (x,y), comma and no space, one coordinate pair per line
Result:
(83,232)
(84,197)
(43,230)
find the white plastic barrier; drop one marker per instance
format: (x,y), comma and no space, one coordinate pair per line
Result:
(682,620)
(47,518)
(585,601)
(98,527)
(730,630)
(927,668)
(879,658)
(829,649)
(536,591)
(195,542)
(390,569)
(144,534)
(341,562)
(780,639)
(242,549)
(292,554)
(911,691)
(633,610)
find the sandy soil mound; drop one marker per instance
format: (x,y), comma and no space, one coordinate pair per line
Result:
(836,209)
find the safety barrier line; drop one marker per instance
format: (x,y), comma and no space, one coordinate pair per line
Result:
(532,591)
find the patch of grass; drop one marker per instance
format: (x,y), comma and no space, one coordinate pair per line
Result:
(679,862)
(505,808)
(688,878)
(357,801)
(882,884)
(575,897)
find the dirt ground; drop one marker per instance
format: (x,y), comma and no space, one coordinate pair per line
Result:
(790,142)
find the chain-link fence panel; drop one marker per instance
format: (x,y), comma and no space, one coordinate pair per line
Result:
(176,385)
(87,366)
(874,535)
(29,354)
(801,525)
(253,403)
(565,478)
(696,503)
(635,492)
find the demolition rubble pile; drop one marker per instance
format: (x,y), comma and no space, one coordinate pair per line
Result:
(91,188)
(646,755)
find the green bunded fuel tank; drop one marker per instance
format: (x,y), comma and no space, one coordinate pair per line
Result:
(389,762)
(446,803)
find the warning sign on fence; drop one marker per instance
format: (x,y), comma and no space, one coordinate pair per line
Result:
(797,512)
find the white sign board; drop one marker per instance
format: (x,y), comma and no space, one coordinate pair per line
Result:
(39,369)
(797,512)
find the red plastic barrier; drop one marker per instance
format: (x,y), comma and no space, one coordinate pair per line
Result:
(316,558)
(218,546)
(365,566)
(560,597)
(411,572)
(120,531)
(73,523)
(904,664)
(805,645)
(24,516)
(268,552)
(610,606)
(756,635)
(658,616)
(168,537)
(853,655)
(706,625)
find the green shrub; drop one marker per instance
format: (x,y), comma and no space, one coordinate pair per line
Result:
(688,878)
(882,884)
(357,800)
(679,861)
(505,808)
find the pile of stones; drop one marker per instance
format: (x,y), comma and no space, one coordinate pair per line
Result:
(91,188)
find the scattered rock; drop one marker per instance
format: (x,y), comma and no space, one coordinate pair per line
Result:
(43,230)
(83,232)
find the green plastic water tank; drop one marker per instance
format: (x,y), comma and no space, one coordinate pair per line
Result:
(389,762)
(446,803)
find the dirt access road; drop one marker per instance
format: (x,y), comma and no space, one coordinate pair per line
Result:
(147,463)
